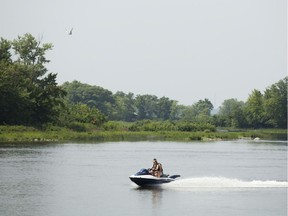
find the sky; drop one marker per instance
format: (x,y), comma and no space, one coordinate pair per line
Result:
(186,50)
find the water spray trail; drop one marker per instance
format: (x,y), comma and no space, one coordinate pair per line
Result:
(222,182)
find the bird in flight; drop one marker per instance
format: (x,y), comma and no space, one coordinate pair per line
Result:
(70,32)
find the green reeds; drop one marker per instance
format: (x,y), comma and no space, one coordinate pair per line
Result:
(60,134)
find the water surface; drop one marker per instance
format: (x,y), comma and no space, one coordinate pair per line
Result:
(217,178)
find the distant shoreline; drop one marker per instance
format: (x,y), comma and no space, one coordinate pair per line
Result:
(29,134)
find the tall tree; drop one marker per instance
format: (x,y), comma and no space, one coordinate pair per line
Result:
(28,94)
(124,107)
(231,112)
(203,110)
(198,112)
(176,110)
(146,106)
(254,110)
(275,104)
(164,108)
(5,54)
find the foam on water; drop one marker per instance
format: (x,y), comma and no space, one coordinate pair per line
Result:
(222,182)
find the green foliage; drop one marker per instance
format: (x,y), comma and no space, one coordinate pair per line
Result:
(146,106)
(149,125)
(259,111)
(78,126)
(275,104)
(192,127)
(5,54)
(231,113)
(28,95)
(164,108)
(29,52)
(268,110)
(125,109)
(15,128)
(154,126)
(84,131)
(75,115)
(93,96)
(198,112)
(254,110)
(116,126)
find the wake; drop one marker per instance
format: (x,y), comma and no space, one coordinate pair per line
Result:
(222,182)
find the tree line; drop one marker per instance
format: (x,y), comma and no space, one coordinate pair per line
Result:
(30,95)
(261,110)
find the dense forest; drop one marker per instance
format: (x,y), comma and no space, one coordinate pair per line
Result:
(30,95)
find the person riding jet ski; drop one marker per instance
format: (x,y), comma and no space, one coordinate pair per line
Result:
(153,176)
(156,169)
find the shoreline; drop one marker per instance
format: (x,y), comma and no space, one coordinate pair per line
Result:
(15,134)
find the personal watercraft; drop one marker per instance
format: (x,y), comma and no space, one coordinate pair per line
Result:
(144,178)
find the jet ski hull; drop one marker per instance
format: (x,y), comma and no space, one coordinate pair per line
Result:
(149,180)
(144,178)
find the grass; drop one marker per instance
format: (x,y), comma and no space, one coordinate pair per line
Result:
(59,134)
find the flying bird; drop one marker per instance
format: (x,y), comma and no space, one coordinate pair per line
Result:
(70,32)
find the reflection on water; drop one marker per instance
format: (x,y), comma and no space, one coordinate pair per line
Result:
(153,193)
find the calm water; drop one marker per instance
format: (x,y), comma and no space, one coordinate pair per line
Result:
(218,178)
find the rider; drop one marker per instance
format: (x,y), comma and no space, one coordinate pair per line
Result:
(156,169)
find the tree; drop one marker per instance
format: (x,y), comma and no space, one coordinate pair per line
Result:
(15,104)
(275,104)
(146,106)
(254,110)
(198,112)
(5,54)
(164,108)
(28,94)
(81,113)
(176,110)
(29,51)
(203,110)
(231,112)
(124,107)
(93,96)
(12,93)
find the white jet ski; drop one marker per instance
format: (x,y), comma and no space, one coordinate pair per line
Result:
(144,178)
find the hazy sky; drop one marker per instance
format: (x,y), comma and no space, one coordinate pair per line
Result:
(186,50)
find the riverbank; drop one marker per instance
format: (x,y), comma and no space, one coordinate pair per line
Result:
(58,134)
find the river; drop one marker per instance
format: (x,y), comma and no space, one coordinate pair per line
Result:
(217,178)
